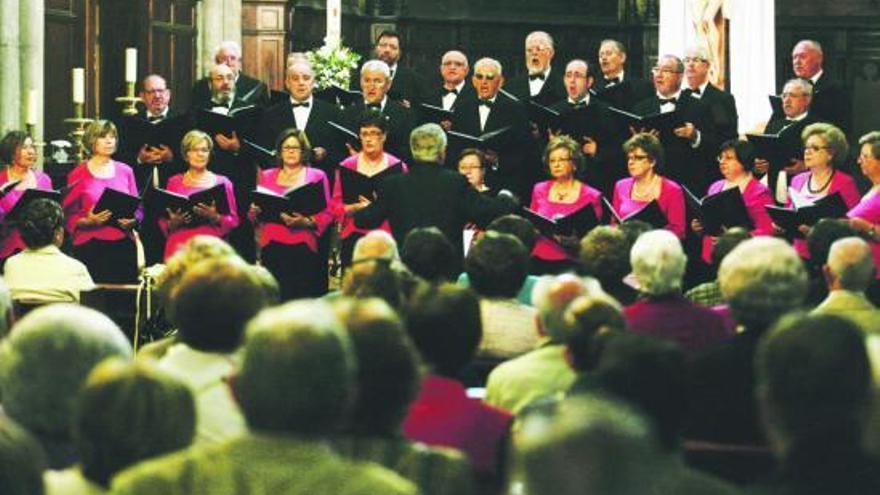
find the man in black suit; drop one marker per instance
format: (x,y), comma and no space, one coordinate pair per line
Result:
(407,87)
(454,89)
(587,120)
(541,83)
(303,111)
(518,166)
(831,102)
(691,148)
(430,194)
(615,87)
(722,105)
(248,89)
(375,81)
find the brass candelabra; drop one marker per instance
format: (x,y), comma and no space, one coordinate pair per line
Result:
(79,123)
(129,101)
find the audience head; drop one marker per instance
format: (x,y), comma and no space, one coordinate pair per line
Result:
(42,224)
(292,147)
(824,139)
(516,226)
(488,78)
(813,382)
(612,56)
(46,359)
(17,148)
(213,302)
(129,412)
(197,249)
(633,229)
(667,75)
(797,94)
(850,265)
(658,262)
(728,240)
(649,373)
(381,279)
(472,164)
(539,52)
(155,94)
(644,153)
(563,157)
(551,298)
(375,80)
(375,245)
(269,284)
(22,461)
(429,254)
(454,68)
(822,236)
(806,58)
(222,79)
(869,156)
(577,79)
(589,320)
(445,326)
(604,254)
(388,47)
(497,265)
(428,143)
(388,375)
(761,279)
(299,346)
(228,53)
(299,80)
(100,138)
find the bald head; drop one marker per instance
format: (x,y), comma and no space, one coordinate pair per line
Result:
(850,264)
(454,68)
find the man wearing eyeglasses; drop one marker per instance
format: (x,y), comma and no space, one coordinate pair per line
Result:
(618,88)
(691,147)
(722,105)
(491,111)
(249,89)
(540,83)
(454,87)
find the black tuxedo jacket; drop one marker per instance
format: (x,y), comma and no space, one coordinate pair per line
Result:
(633,91)
(248,89)
(279,117)
(793,130)
(831,103)
(401,121)
(430,195)
(519,166)
(436,94)
(552,91)
(696,168)
(129,149)
(722,109)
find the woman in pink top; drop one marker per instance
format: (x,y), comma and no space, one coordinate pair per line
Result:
(105,246)
(558,197)
(17,150)
(865,216)
(736,161)
(205,219)
(644,160)
(825,150)
(289,244)
(371,160)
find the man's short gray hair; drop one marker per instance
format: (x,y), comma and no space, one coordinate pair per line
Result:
(540,35)
(811,44)
(428,143)
(802,84)
(376,244)
(376,66)
(552,295)
(700,52)
(298,65)
(490,62)
(851,262)
(658,262)
(47,358)
(228,45)
(761,279)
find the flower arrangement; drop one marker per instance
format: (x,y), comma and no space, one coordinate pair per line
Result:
(333,65)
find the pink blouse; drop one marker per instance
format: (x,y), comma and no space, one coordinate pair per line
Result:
(179,237)
(547,248)
(756,196)
(840,182)
(280,233)
(85,192)
(10,238)
(347,226)
(671,202)
(868,209)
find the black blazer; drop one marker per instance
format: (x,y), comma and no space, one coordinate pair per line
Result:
(401,121)
(128,152)
(430,195)
(552,91)
(248,89)
(279,117)
(436,94)
(633,91)
(722,109)
(831,103)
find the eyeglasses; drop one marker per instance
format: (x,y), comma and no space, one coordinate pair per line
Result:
(480,76)
(814,148)
(366,134)
(155,91)
(556,161)
(374,82)
(465,168)
(664,70)
(724,158)
(695,60)
(793,95)
(229,77)
(201,149)
(290,148)
(636,158)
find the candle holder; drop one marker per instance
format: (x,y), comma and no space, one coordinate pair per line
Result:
(79,123)
(129,101)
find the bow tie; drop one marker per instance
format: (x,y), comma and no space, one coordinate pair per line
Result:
(486,103)
(664,101)
(694,91)
(447,92)
(578,105)
(374,106)
(540,76)
(304,104)
(612,81)
(155,118)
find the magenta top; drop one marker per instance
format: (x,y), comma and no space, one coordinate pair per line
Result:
(868,209)
(547,248)
(756,196)
(10,238)
(85,192)
(840,182)
(282,234)
(671,202)
(347,226)
(179,237)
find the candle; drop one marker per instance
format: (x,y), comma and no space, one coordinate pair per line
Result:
(334,23)
(131,56)
(31,116)
(79,85)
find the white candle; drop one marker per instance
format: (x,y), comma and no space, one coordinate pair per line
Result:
(131,58)
(79,85)
(31,117)
(334,23)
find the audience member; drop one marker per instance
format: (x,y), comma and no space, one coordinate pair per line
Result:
(819,240)
(22,460)
(848,272)
(294,384)
(590,321)
(429,254)
(709,293)
(604,254)
(44,362)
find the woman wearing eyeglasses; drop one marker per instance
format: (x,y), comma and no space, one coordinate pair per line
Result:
(644,161)
(825,150)
(472,163)
(865,216)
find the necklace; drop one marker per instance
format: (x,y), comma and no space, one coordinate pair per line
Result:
(560,193)
(824,186)
(290,177)
(648,191)
(190,179)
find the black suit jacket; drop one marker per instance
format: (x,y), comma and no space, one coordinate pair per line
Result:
(696,168)
(436,94)
(831,103)
(631,92)
(722,110)
(430,195)
(248,89)
(793,142)
(552,91)
(401,121)
(279,117)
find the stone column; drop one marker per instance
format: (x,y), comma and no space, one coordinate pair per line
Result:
(218,20)
(10,82)
(32,42)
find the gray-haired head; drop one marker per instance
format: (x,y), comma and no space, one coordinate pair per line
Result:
(552,295)
(658,262)
(376,245)
(47,358)
(491,62)
(428,143)
(850,264)
(802,86)
(376,66)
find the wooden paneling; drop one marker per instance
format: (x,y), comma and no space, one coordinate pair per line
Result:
(172,41)
(65,49)
(264,28)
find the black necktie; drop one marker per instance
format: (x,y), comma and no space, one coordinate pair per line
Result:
(304,104)
(664,101)
(486,103)
(540,76)
(447,92)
